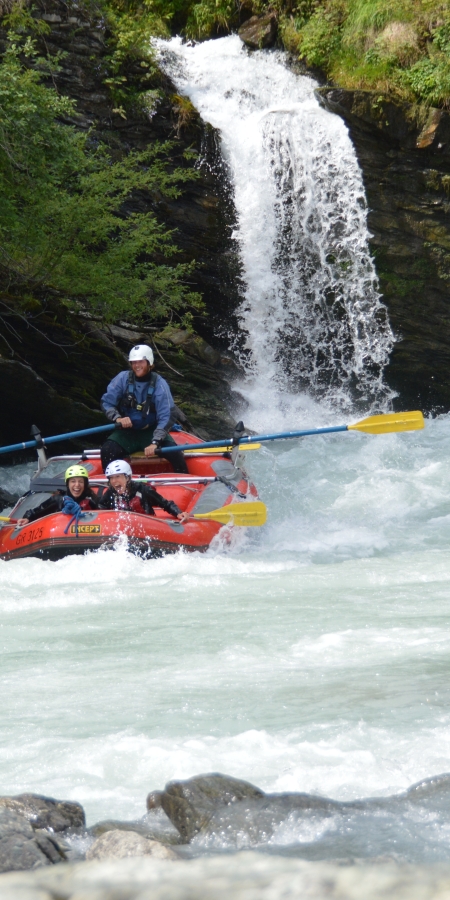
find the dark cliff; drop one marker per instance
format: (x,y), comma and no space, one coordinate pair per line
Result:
(54,366)
(404,153)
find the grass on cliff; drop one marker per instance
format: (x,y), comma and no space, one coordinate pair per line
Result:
(398,46)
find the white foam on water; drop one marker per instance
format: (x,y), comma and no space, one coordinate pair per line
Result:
(313,658)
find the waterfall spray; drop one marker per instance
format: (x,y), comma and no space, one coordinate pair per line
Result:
(312,315)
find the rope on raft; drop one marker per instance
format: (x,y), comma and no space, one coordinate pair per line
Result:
(72,508)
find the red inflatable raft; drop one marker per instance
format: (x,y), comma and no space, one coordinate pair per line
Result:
(214,481)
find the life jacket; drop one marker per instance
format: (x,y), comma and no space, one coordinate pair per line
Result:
(131,501)
(142,415)
(136,505)
(86,503)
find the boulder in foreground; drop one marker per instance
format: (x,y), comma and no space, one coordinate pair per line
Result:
(244,876)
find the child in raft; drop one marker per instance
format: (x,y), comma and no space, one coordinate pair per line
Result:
(77,488)
(135,496)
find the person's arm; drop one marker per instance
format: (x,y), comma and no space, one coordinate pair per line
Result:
(163,401)
(111,400)
(155,499)
(51,505)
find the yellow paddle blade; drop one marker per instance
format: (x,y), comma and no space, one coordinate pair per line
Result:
(403,421)
(252,513)
(242,447)
(5,519)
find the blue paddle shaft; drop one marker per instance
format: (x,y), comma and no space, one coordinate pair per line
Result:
(28,445)
(256,439)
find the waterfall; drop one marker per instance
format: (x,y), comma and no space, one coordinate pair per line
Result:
(311,312)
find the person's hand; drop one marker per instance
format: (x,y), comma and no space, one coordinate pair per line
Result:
(22,522)
(124,422)
(182,517)
(150,450)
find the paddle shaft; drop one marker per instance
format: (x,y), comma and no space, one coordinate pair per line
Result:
(257,438)
(380,424)
(29,445)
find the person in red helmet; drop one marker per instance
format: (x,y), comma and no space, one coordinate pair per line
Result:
(140,404)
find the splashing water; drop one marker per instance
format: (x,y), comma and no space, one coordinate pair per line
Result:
(311,313)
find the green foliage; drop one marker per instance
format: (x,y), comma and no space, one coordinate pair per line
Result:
(320,36)
(397,46)
(130,27)
(430,80)
(66,217)
(210,16)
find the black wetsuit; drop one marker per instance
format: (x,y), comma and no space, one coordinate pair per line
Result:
(53,504)
(138,494)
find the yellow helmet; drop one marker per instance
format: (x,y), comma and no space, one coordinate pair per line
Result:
(76,472)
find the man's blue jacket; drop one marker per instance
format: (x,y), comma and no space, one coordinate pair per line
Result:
(114,403)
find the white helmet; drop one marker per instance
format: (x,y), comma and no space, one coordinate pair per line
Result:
(118,467)
(141,351)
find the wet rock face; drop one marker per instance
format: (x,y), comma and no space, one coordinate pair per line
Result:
(191,804)
(21,847)
(45,812)
(404,153)
(68,397)
(28,400)
(259,31)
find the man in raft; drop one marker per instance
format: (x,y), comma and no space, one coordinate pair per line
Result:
(139,402)
(135,496)
(77,488)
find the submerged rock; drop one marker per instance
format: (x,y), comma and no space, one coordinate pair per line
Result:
(259,31)
(154,826)
(223,811)
(215,813)
(21,847)
(45,812)
(121,844)
(191,804)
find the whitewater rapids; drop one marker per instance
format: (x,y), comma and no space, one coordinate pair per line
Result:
(312,656)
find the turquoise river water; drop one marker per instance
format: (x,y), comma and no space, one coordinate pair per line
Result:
(311,656)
